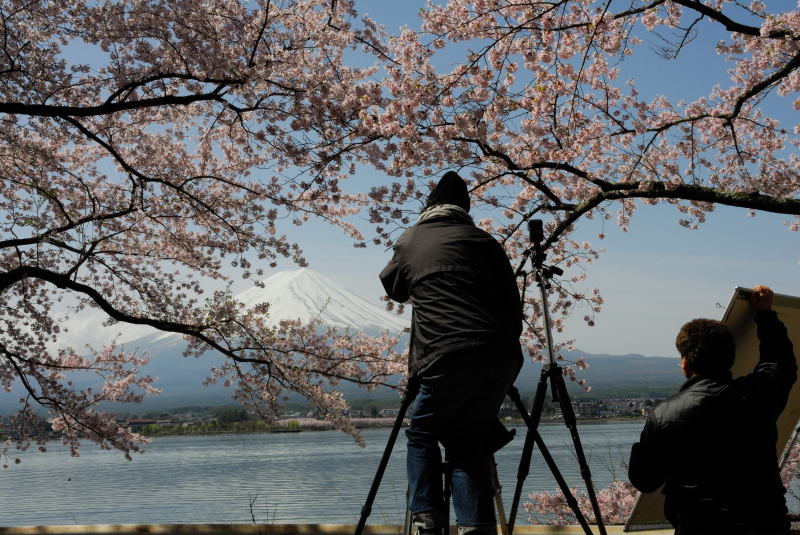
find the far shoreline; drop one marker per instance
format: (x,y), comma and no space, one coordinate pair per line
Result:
(308,425)
(371,423)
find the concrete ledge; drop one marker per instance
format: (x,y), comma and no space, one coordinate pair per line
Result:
(283,529)
(274,529)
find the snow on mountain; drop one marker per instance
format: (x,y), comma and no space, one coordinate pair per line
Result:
(304,294)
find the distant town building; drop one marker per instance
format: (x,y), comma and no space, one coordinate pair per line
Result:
(586,409)
(508,409)
(167,423)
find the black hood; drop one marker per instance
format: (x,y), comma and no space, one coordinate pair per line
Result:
(451,189)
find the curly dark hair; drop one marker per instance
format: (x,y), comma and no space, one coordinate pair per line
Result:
(707,345)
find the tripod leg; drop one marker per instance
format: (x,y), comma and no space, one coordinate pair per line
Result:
(408,397)
(522,474)
(527,449)
(551,463)
(787,451)
(447,471)
(407,521)
(568,413)
(498,498)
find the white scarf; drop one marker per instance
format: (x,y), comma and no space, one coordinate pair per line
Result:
(446,210)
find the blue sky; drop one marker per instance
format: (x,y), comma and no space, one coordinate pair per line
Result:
(653,278)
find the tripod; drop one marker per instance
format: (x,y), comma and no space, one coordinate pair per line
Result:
(553,373)
(531,438)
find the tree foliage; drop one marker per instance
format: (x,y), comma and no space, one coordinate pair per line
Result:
(173,155)
(147,149)
(540,113)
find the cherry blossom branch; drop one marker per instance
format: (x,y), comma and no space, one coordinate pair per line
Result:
(487,150)
(251,62)
(686,192)
(196,331)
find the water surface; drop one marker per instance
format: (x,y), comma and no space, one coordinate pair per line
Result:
(308,477)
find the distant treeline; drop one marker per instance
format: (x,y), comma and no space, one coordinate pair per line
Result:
(214,427)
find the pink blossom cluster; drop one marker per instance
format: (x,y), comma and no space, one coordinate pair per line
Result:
(616,503)
(791,471)
(75,410)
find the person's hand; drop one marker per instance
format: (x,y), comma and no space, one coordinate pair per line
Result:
(761,298)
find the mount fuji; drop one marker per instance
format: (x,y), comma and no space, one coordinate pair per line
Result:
(304,294)
(300,294)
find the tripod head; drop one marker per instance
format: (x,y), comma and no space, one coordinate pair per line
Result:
(543,274)
(536,232)
(543,271)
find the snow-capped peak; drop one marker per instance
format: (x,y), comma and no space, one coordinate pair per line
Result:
(304,294)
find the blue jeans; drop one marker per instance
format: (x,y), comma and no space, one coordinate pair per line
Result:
(457,404)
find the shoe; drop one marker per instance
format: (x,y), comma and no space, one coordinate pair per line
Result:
(427,523)
(477,530)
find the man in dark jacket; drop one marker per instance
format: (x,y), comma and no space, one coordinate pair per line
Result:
(713,444)
(464,351)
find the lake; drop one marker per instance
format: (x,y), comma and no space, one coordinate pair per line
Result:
(308,477)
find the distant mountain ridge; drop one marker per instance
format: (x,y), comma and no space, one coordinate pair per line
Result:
(630,375)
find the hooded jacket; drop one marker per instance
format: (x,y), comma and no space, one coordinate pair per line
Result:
(712,445)
(462,288)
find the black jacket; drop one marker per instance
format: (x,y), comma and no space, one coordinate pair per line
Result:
(462,289)
(713,445)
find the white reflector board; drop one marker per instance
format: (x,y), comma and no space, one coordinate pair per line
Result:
(648,512)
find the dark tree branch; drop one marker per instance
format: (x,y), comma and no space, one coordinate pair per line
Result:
(519,171)
(47,236)
(196,331)
(783,72)
(252,61)
(687,192)
(45,110)
(128,88)
(729,23)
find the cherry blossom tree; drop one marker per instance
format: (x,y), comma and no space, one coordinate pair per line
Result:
(543,116)
(148,148)
(173,153)
(542,113)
